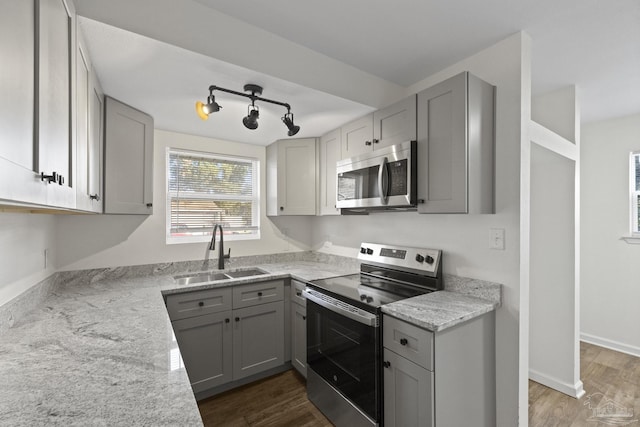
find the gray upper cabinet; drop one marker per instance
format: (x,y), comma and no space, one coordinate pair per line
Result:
(357,137)
(329,152)
(89,114)
(456,146)
(395,123)
(291,177)
(18,177)
(56,46)
(128,181)
(37,46)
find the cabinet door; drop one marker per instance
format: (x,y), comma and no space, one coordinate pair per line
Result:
(56,99)
(128,185)
(395,123)
(299,338)
(329,152)
(95,172)
(258,339)
(357,137)
(205,345)
(18,179)
(297,177)
(442,147)
(83,78)
(408,393)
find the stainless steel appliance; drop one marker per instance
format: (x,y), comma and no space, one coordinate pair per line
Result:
(344,333)
(382,179)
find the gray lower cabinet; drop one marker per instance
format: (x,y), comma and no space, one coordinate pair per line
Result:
(258,339)
(444,378)
(456,146)
(228,334)
(206,348)
(408,392)
(299,338)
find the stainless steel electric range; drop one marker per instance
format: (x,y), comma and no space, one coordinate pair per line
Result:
(344,328)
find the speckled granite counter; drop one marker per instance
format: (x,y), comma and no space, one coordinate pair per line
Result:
(439,310)
(100,351)
(96,347)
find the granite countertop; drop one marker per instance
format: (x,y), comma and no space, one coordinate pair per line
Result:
(439,310)
(101,352)
(100,349)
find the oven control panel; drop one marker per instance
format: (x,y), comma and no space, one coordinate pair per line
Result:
(423,260)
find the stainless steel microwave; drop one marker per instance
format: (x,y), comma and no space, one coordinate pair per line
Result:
(382,179)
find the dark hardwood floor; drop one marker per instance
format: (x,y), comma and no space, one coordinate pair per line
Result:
(610,379)
(280,400)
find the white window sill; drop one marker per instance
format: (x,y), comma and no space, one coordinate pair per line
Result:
(632,240)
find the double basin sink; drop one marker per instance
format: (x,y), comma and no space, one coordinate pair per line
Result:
(216,276)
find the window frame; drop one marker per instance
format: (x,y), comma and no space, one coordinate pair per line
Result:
(634,194)
(254,198)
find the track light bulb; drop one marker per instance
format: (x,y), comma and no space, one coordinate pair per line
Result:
(251,121)
(287,119)
(203,110)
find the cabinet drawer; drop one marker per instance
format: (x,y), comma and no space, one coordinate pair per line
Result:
(258,293)
(296,293)
(196,303)
(409,341)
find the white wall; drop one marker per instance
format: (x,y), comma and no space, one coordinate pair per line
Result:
(465,238)
(23,240)
(92,241)
(610,267)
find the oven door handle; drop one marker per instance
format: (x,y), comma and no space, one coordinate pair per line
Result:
(383,181)
(340,307)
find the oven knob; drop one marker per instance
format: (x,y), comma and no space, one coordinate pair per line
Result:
(363,297)
(369,299)
(363,250)
(419,258)
(369,251)
(429,259)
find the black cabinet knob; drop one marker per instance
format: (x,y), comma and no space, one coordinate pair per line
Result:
(367,143)
(299,294)
(201,303)
(375,141)
(403,341)
(149,205)
(304,317)
(259,294)
(281,208)
(237,319)
(226,320)
(386,364)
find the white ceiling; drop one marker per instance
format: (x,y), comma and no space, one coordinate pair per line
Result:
(594,44)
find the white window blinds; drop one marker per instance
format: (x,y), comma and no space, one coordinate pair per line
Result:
(205,189)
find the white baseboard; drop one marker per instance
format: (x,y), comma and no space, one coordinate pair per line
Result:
(610,344)
(574,390)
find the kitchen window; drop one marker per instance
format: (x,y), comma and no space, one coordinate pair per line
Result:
(204,189)
(634,178)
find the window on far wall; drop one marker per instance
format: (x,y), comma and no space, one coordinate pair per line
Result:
(635,193)
(204,189)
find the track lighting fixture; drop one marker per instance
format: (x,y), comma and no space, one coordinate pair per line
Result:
(253,112)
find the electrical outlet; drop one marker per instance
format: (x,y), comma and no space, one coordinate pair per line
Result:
(497,239)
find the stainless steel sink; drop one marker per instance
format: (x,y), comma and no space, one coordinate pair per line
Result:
(199,278)
(245,273)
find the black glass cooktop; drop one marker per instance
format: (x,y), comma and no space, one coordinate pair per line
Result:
(372,291)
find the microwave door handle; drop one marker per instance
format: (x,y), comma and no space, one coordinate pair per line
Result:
(383,181)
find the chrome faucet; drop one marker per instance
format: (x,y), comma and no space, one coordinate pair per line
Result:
(212,247)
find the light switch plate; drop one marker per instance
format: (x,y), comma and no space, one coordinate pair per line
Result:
(497,239)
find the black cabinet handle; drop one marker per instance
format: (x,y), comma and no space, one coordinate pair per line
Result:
(95,197)
(386,364)
(226,320)
(259,294)
(375,141)
(149,205)
(367,143)
(304,317)
(403,341)
(49,178)
(281,208)
(237,319)
(299,294)
(201,304)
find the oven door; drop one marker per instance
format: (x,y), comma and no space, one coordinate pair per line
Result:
(382,178)
(343,348)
